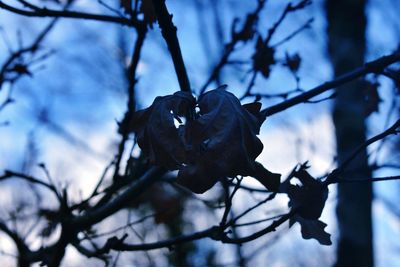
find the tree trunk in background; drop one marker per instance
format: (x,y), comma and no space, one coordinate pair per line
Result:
(346,33)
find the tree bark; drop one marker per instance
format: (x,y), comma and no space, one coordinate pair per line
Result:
(347,45)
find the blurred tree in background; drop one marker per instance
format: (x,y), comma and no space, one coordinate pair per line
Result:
(347,46)
(198,133)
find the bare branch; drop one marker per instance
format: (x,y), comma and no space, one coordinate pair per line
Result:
(374,179)
(242,35)
(168,31)
(10,174)
(44,12)
(120,246)
(375,66)
(136,187)
(272,227)
(333,177)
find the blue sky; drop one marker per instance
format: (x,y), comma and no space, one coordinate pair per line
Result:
(82,89)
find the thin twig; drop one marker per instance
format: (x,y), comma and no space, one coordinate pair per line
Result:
(375,66)
(333,177)
(374,179)
(251,21)
(10,174)
(306,25)
(45,12)
(93,216)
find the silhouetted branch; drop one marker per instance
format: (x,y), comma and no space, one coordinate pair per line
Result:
(93,216)
(10,174)
(14,64)
(228,199)
(45,12)
(375,66)
(334,176)
(258,221)
(272,227)
(289,8)
(121,227)
(168,31)
(120,246)
(374,179)
(391,130)
(22,248)
(306,25)
(262,53)
(244,34)
(213,232)
(131,105)
(234,220)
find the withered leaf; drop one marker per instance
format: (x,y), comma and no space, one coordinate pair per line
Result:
(155,130)
(309,198)
(223,141)
(313,229)
(371,97)
(219,141)
(263,58)
(292,62)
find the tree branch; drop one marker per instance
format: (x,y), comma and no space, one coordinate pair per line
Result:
(131,106)
(30,179)
(375,66)
(333,177)
(19,243)
(120,246)
(136,187)
(15,57)
(272,227)
(168,31)
(374,179)
(44,12)
(241,35)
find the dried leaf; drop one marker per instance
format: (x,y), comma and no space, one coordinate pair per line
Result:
(220,141)
(372,98)
(293,62)
(263,58)
(223,142)
(155,130)
(309,198)
(313,229)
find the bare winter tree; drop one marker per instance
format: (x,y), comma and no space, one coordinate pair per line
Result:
(202,139)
